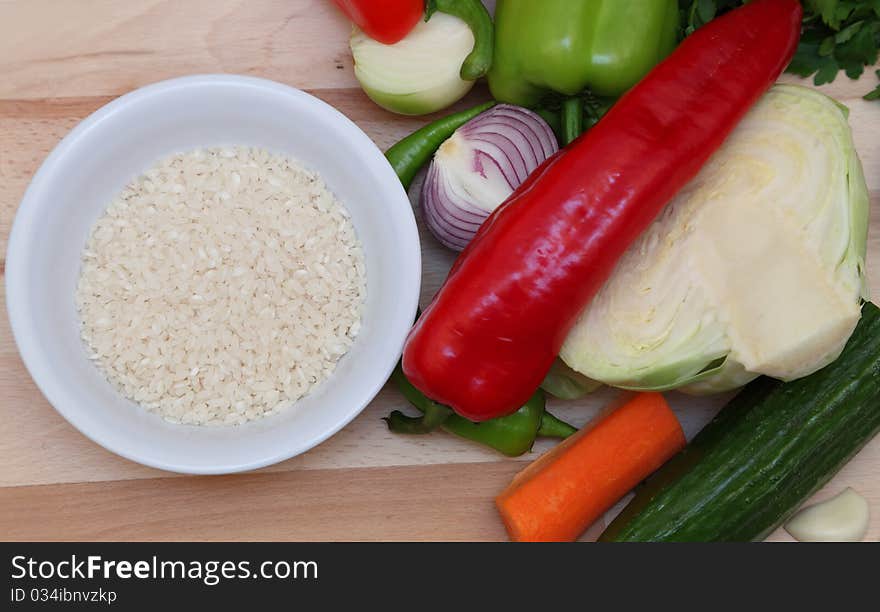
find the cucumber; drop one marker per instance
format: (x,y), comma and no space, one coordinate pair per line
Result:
(764,454)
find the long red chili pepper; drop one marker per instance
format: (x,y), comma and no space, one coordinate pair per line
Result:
(387,21)
(489,337)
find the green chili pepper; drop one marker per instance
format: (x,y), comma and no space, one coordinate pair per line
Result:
(567,46)
(475,15)
(554,427)
(512,435)
(414,151)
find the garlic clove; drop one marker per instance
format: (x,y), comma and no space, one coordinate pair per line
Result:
(843,518)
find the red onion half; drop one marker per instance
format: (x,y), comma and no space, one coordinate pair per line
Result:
(478,167)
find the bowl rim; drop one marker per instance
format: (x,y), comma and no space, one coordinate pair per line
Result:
(21,321)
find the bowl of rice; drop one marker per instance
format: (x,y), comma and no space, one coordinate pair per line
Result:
(212,274)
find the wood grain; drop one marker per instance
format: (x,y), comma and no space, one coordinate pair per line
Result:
(301,505)
(58,49)
(60,62)
(438,502)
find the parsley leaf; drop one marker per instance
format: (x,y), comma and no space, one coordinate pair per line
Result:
(874,95)
(430,8)
(696,13)
(838,35)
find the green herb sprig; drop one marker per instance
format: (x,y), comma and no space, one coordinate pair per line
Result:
(838,35)
(874,95)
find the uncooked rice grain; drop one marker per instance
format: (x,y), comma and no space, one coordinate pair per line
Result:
(221,286)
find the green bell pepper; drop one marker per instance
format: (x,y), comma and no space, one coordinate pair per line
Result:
(569,46)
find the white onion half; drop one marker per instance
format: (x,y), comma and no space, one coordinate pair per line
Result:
(419,74)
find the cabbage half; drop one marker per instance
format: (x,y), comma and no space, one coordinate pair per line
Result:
(756,267)
(419,74)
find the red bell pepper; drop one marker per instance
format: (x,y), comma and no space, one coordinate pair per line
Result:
(486,341)
(387,21)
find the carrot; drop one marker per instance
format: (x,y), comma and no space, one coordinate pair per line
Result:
(558,496)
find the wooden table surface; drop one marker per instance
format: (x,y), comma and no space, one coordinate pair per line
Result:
(60,61)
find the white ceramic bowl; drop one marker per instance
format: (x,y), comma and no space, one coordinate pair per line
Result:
(117,143)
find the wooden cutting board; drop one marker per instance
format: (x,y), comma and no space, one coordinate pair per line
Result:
(60,61)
